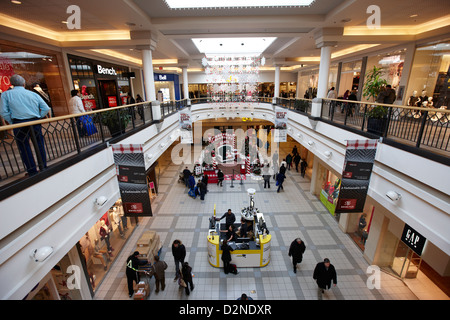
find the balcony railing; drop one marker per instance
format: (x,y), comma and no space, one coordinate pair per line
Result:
(29,148)
(425,128)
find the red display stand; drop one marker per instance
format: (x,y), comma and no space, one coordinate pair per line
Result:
(212,176)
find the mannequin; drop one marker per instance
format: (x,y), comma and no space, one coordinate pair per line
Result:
(104,233)
(423,97)
(413,99)
(37,88)
(117,219)
(88,250)
(430,102)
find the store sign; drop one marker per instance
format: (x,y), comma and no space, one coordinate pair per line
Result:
(413,239)
(131,174)
(359,158)
(162,77)
(280,134)
(108,71)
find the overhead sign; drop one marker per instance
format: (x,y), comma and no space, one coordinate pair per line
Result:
(359,158)
(131,174)
(413,239)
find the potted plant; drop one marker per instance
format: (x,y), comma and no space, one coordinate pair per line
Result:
(377,115)
(116,121)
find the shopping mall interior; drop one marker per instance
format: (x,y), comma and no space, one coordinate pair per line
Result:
(319,120)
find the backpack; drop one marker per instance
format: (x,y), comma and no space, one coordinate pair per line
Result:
(233,269)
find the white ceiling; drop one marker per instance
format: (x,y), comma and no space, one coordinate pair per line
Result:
(294,28)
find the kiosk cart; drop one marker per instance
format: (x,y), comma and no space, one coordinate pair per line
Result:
(253,251)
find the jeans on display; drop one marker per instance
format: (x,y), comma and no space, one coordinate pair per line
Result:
(124,221)
(108,245)
(22,137)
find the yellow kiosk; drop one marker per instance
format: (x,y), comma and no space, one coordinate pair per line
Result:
(250,252)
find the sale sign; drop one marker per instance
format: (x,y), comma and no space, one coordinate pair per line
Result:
(6,71)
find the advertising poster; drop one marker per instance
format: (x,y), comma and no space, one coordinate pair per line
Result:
(358,164)
(185,126)
(280,132)
(131,174)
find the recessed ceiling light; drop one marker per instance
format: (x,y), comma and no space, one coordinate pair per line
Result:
(16,1)
(413,15)
(65,22)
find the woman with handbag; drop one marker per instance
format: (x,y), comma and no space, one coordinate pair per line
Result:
(186,274)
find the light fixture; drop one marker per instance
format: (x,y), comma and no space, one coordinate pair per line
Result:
(219,4)
(310,142)
(299,135)
(16,2)
(149,156)
(394,196)
(39,255)
(328,154)
(100,201)
(162,145)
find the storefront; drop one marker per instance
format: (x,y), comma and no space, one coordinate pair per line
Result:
(167,87)
(429,76)
(42,70)
(326,186)
(349,77)
(101,84)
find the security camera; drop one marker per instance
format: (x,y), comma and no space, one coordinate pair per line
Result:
(327,154)
(100,201)
(39,255)
(394,196)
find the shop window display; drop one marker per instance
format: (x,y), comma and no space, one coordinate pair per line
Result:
(329,193)
(39,68)
(429,78)
(102,243)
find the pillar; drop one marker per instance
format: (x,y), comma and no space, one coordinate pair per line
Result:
(276,92)
(185,84)
(149,78)
(322,86)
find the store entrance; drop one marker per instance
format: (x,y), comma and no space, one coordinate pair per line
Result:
(108,93)
(406,263)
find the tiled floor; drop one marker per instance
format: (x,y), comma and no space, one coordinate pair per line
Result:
(289,214)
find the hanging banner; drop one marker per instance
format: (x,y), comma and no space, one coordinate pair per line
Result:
(359,158)
(280,132)
(134,190)
(185,126)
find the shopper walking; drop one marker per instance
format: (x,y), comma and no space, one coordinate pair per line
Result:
(280,180)
(159,268)
(226,256)
(283,168)
(179,253)
(294,151)
(18,106)
(296,251)
(324,274)
(266,175)
(186,175)
(202,189)
(219,177)
(132,271)
(303,166)
(288,161)
(296,161)
(186,273)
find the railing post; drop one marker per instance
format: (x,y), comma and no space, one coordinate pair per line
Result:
(364,116)
(422,128)
(101,126)
(388,121)
(75,134)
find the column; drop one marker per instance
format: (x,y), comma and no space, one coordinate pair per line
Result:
(185,84)
(322,86)
(149,78)
(276,92)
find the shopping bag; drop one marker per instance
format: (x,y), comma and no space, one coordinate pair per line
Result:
(89,127)
(181,283)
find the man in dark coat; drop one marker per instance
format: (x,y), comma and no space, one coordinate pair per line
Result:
(280,180)
(160,279)
(226,256)
(230,218)
(202,189)
(186,272)
(186,174)
(296,161)
(296,251)
(179,253)
(132,271)
(303,167)
(220,177)
(324,273)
